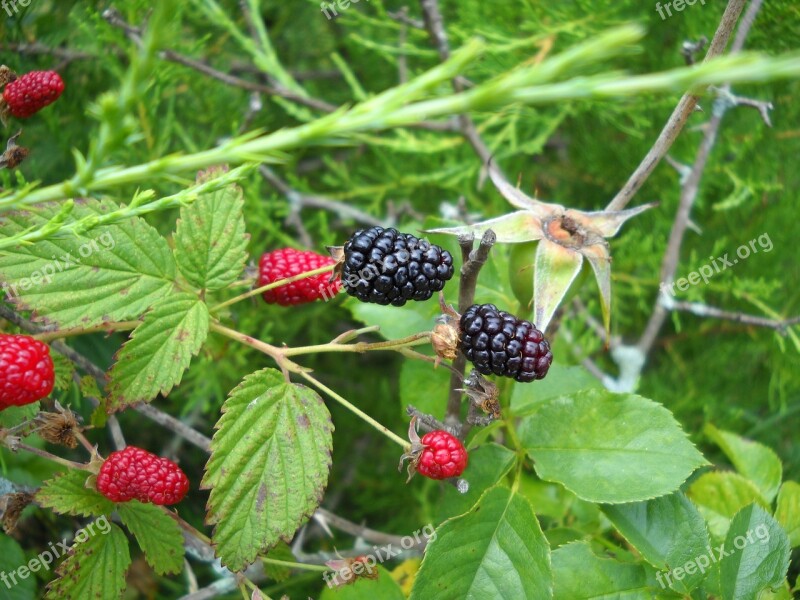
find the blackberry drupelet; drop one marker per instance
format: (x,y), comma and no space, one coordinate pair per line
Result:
(384,266)
(498,342)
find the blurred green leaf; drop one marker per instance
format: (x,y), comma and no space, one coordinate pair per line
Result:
(497,550)
(755,461)
(608,447)
(756,554)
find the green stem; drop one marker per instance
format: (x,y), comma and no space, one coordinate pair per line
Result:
(273,285)
(51,457)
(357,411)
(295,565)
(49,336)
(412,340)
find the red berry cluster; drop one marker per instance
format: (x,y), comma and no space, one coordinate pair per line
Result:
(443,456)
(26,370)
(134,473)
(31,92)
(287,262)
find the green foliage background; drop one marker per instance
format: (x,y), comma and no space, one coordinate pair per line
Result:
(579,154)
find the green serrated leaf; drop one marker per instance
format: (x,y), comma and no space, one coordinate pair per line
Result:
(487,465)
(158,535)
(720,495)
(497,550)
(756,555)
(153,361)
(88,387)
(210,240)
(581,575)
(14,415)
(787,511)
(279,572)
(561,380)
(667,531)
(67,494)
(423,386)
(756,462)
(111,273)
(269,465)
(12,558)
(63,371)
(95,567)
(609,448)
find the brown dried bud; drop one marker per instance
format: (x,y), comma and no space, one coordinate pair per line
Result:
(59,427)
(445,341)
(11,507)
(14,154)
(483,393)
(6,75)
(447,333)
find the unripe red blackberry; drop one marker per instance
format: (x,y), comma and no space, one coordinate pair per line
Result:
(499,343)
(384,266)
(31,92)
(134,473)
(443,456)
(26,370)
(287,262)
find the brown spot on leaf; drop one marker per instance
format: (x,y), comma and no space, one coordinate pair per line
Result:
(261,498)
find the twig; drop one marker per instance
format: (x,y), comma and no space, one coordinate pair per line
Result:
(679,116)
(113,17)
(691,187)
(401,16)
(434,23)
(426,421)
(99,375)
(370,535)
(703,310)
(402,59)
(299,200)
(473,261)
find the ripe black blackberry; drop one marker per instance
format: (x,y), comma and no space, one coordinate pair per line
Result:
(500,343)
(385,266)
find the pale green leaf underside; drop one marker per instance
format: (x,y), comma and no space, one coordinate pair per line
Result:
(94,569)
(787,511)
(210,240)
(497,550)
(581,575)
(667,531)
(158,535)
(153,361)
(269,465)
(755,461)
(110,273)
(11,558)
(608,447)
(67,494)
(757,555)
(720,495)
